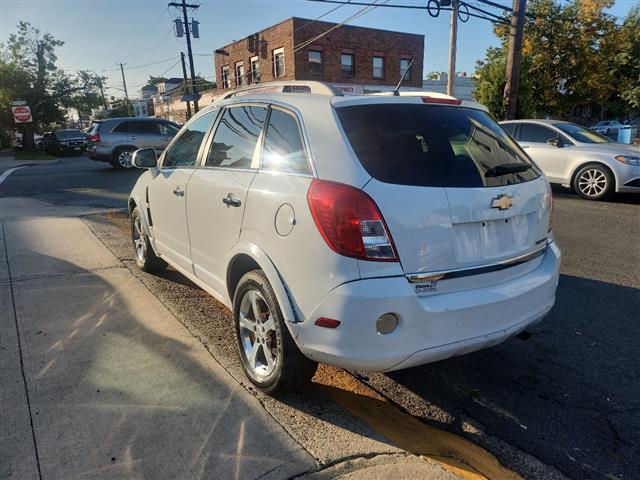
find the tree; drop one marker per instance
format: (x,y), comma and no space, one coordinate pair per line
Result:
(29,72)
(575,59)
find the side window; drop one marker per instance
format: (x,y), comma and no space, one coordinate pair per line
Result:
(122,127)
(147,128)
(168,129)
(184,151)
(510,128)
(530,132)
(236,137)
(283,148)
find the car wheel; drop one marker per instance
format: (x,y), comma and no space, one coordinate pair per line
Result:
(146,258)
(122,158)
(270,358)
(593,182)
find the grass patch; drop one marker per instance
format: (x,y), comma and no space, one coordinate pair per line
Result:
(25,155)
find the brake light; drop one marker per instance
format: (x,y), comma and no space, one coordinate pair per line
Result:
(94,137)
(350,222)
(444,101)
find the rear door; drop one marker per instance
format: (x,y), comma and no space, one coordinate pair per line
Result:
(217,192)
(440,183)
(550,158)
(168,192)
(146,134)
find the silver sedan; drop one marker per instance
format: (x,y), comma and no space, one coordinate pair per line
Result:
(576,157)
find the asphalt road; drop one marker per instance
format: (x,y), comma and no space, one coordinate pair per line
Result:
(569,396)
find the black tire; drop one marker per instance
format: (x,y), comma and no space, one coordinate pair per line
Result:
(291,367)
(593,181)
(118,161)
(144,255)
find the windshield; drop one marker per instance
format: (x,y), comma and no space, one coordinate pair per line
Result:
(581,134)
(66,134)
(434,146)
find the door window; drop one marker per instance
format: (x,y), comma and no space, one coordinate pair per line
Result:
(184,151)
(530,132)
(168,129)
(283,147)
(510,128)
(236,137)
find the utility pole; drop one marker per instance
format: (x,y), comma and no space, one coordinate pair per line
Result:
(100,86)
(186,85)
(194,89)
(453,39)
(124,83)
(512,77)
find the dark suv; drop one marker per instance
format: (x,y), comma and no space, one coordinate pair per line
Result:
(63,142)
(114,140)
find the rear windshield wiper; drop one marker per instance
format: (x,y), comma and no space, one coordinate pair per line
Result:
(506,168)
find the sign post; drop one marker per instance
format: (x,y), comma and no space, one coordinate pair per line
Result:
(22,115)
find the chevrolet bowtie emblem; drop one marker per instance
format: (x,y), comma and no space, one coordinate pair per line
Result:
(502,202)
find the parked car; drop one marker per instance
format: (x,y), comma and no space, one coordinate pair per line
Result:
(42,141)
(115,139)
(607,127)
(579,158)
(66,141)
(370,232)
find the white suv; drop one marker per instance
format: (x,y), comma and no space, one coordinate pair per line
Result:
(370,232)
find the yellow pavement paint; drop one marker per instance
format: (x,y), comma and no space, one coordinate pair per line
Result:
(454,453)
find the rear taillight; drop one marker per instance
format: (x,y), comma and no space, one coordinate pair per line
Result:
(443,101)
(94,137)
(350,222)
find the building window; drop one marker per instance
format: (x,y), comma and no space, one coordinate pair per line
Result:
(240,79)
(278,62)
(315,62)
(404,66)
(378,67)
(254,69)
(226,83)
(346,64)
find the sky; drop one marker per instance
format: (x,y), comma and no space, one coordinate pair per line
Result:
(100,33)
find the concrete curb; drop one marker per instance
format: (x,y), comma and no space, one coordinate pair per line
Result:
(12,162)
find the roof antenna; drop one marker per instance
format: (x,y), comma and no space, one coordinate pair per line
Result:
(396,92)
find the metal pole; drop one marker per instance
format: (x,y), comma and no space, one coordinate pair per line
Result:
(512,76)
(186,85)
(453,38)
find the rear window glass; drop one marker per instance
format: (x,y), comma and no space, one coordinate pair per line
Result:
(95,127)
(433,146)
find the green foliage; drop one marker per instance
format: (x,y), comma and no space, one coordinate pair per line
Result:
(28,71)
(573,56)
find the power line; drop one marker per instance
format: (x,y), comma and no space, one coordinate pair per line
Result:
(369,7)
(321,16)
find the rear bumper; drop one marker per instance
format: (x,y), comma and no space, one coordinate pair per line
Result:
(97,154)
(431,328)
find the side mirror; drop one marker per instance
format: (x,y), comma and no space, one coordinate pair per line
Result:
(145,158)
(555,142)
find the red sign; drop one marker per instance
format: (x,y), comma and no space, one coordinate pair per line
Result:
(22,114)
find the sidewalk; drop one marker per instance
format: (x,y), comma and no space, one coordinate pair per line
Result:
(117,388)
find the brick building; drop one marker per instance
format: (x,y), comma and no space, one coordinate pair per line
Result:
(348,55)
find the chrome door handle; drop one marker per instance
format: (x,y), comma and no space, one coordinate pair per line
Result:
(178,192)
(230,201)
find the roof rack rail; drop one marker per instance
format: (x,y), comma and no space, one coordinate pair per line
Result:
(291,86)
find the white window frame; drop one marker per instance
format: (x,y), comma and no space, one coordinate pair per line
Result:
(240,79)
(275,53)
(254,69)
(373,67)
(226,79)
(408,60)
(321,62)
(353,64)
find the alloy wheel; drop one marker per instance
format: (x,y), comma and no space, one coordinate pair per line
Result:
(258,335)
(124,159)
(139,239)
(592,182)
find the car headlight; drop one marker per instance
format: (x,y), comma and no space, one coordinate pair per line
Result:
(629,159)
